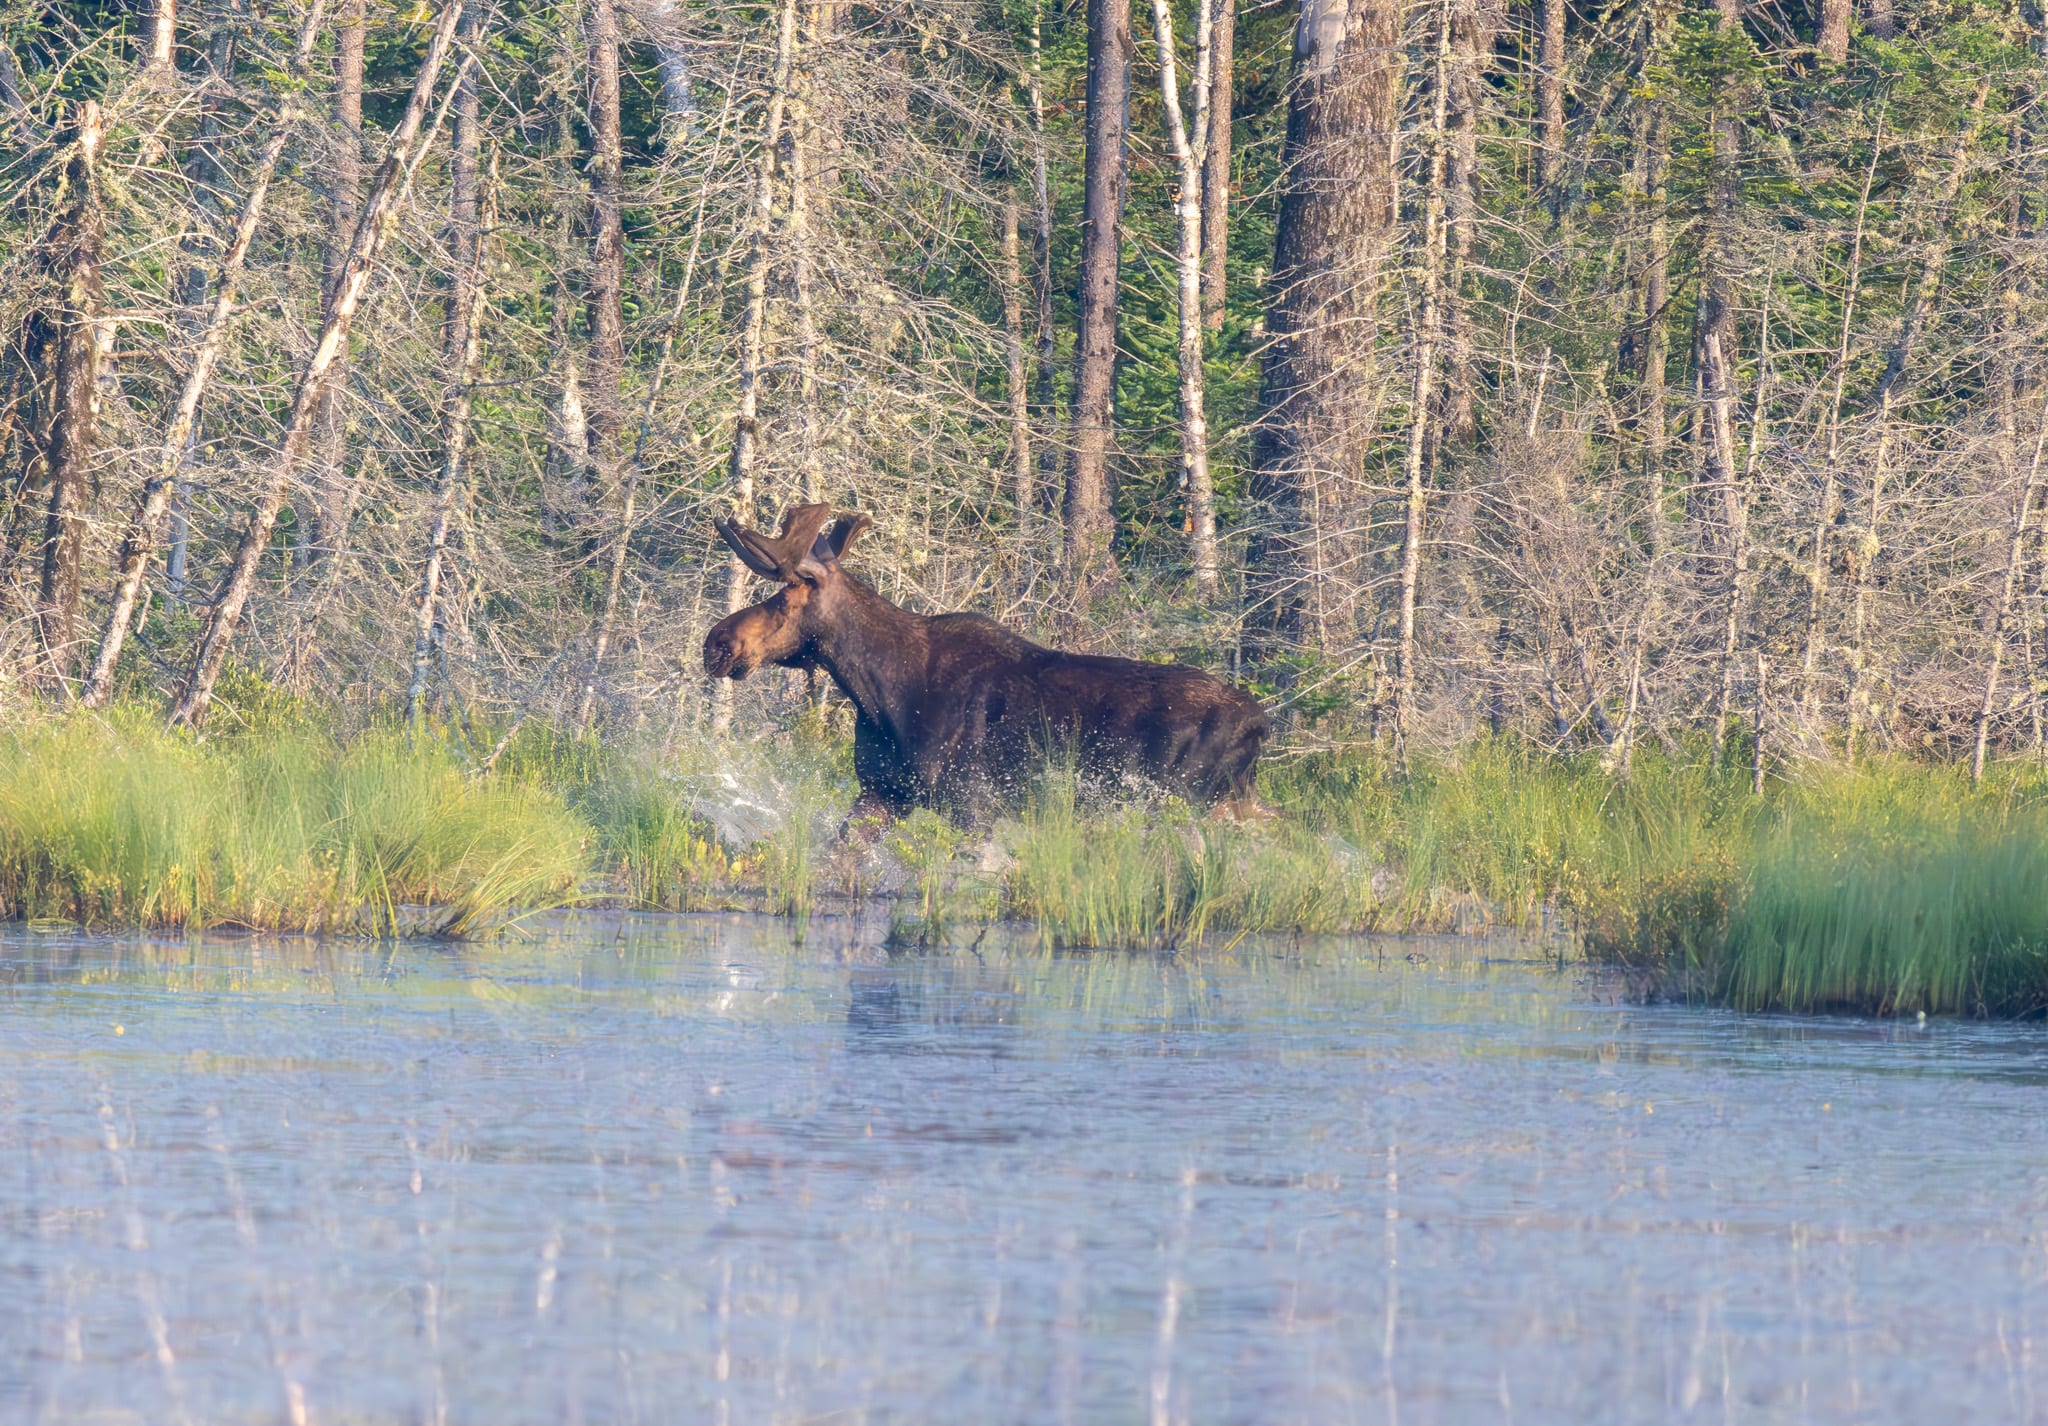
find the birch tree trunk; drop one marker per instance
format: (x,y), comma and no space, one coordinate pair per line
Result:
(1190,146)
(139,544)
(1736,499)
(393,181)
(1090,500)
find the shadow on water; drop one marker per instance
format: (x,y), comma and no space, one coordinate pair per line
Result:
(683,1168)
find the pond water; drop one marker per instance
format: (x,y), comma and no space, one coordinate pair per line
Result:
(681,1169)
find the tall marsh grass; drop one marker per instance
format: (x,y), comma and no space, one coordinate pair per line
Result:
(106,822)
(1891,888)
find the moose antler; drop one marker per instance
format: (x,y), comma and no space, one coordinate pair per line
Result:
(779,557)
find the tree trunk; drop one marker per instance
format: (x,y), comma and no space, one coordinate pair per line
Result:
(1736,500)
(1470,41)
(461,333)
(387,190)
(1834,31)
(321,532)
(745,432)
(79,346)
(604,304)
(173,454)
(603,296)
(1041,237)
(1190,144)
(1714,319)
(1090,499)
(1216,163)
(1421,396)
(745,435)
(1920,299)
(1021,470)
(163,35)
(1551,140)
(1653,428)
(1831,478)
(2002,621)
(1336,213)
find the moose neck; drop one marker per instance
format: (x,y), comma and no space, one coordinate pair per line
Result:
(876,652)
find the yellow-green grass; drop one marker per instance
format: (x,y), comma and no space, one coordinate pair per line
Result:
(110,821)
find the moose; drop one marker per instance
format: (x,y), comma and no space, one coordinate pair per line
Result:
(956,712)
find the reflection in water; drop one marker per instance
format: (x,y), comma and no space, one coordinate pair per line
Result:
(679,1169)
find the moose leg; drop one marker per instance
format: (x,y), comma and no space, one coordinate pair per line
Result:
(866,820)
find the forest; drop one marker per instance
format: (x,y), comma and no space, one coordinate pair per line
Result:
(1601,375)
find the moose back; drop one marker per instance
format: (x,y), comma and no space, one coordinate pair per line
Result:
(956,712)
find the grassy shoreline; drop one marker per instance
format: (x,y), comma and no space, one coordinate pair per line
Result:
(1892,889)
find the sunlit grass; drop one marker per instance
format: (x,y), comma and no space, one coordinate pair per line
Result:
(1892,888)
(114,822)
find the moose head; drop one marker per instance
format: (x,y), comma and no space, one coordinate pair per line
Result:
(804,560)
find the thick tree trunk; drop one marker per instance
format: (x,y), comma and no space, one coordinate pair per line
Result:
(392,183)
(1216,163)
(1336,214)
(174,453)
(1090,499)
(1550,66)
(1833,43)
(79,345)
(1189,143)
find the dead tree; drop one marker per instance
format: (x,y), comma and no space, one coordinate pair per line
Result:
(387,189)
(138,546)
(76,343)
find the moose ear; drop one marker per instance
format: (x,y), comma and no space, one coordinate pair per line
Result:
(749,555)
(844,533)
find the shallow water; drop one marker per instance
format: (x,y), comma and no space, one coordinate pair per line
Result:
(678,1169)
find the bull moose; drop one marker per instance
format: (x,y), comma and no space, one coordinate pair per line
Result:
(956,712)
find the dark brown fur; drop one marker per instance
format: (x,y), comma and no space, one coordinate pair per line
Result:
(958,713)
